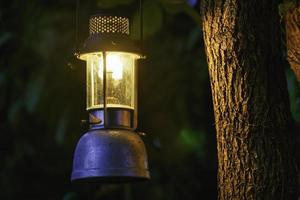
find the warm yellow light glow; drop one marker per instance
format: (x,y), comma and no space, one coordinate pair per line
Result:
(114,66)
(120,80)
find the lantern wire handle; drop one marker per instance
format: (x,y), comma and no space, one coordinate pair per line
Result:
(142,28)
(76,53)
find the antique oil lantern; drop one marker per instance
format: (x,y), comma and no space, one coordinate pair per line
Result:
(111,151)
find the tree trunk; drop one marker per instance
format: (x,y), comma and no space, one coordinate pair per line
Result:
(292,26)
(252,114)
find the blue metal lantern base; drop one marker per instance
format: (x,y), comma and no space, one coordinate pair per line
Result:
(110,156)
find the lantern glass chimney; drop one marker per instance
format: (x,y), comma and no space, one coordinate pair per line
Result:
(120,80)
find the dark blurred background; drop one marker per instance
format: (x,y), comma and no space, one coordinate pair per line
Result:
(42,100)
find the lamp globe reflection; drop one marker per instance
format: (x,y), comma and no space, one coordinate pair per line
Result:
(111,151)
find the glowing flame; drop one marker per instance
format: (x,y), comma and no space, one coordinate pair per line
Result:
(114,65)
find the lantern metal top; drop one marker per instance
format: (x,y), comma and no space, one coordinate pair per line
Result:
(108,24)
(108,33)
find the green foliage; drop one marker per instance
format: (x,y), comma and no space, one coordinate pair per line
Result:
(61,128)
(152,19)
(4,37)
(33,93)
(43,101)
(112,3)
(174,6)
(42,89)
(70,196)
(193,141)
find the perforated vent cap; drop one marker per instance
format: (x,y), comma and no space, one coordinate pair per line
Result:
(109,24)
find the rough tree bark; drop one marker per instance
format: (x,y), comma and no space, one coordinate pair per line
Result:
(292,27)
(252,114)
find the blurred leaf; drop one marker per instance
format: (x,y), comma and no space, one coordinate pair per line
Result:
(193,141)
(152,20)
(33,93)
(2,77)
(70,196)
(21,149)
(14,110)
(4,37)
(174,2)
(106,190)
(294,94)
(112,3)
(46,42)
(61,128)
(193,14)
(182,6)
(173,6)
(194,36)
